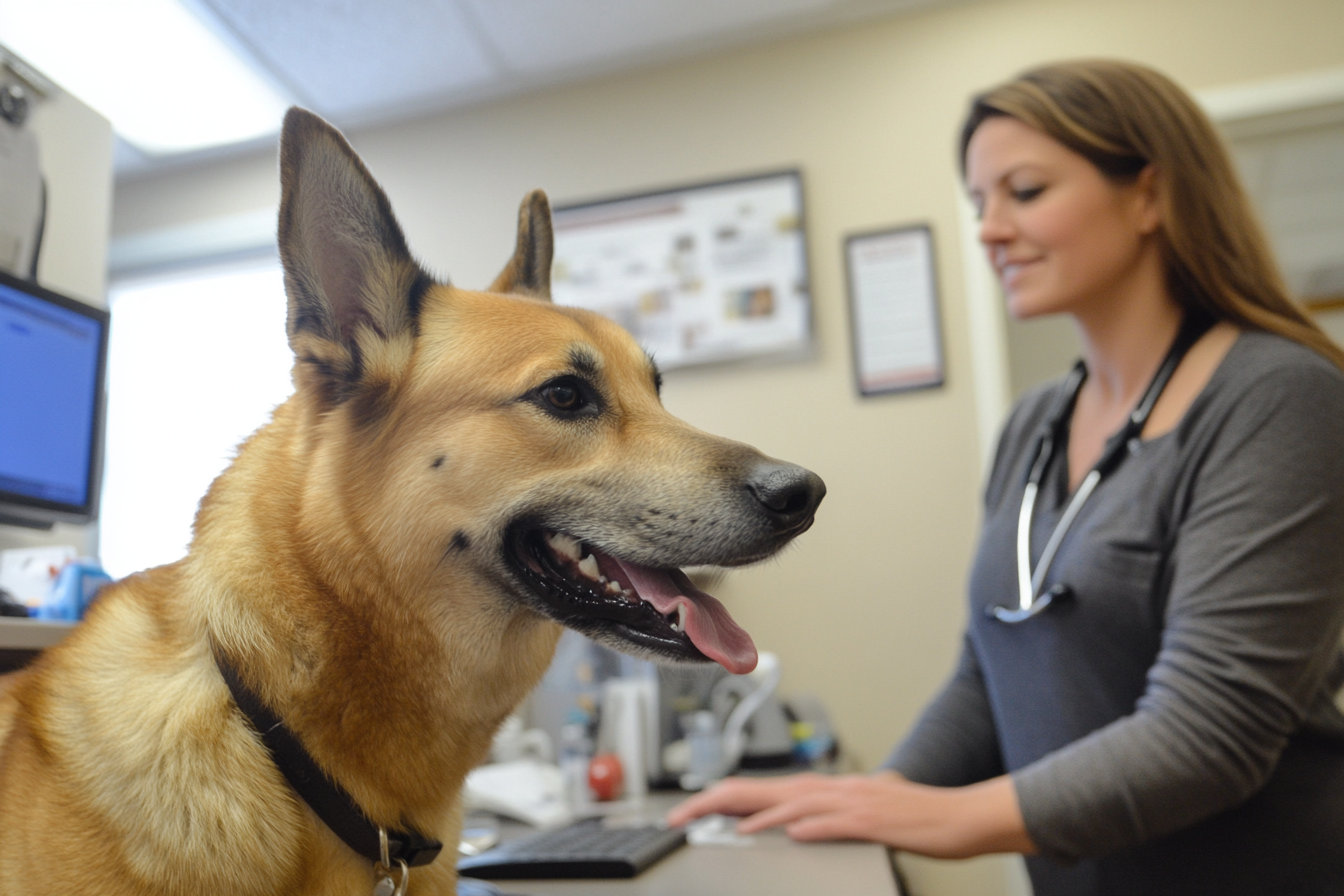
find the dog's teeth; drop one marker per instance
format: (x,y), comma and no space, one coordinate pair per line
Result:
(680,624)
(564,545)
(588,566)
(614,587)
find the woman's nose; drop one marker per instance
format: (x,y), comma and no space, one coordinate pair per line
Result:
(995,227)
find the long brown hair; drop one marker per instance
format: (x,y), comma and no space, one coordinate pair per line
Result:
(1124,117)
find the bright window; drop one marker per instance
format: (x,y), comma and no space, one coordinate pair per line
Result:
(197,361)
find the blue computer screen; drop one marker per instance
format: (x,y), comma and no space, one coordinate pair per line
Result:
(49,381)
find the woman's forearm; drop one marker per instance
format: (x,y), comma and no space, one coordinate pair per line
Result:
(992,817)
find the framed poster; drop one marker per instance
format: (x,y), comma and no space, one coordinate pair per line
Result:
(705,273)
(893,304)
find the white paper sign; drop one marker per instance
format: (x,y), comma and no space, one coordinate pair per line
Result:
(894,303)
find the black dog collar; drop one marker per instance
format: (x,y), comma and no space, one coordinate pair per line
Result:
(328,799)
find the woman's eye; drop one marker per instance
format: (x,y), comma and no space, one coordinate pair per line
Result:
(1026,194)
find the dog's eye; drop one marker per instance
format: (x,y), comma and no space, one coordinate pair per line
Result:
(563,397)
(568,397)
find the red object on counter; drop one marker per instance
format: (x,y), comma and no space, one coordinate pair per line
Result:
(605,776)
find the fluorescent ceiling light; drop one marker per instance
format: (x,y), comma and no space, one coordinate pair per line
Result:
(156,71)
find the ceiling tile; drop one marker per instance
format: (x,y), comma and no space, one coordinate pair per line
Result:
(553,35)
(353,56)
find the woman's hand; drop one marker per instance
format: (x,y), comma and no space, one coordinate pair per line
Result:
(943,822)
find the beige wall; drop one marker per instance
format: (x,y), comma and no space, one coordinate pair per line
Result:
(867,609)
(75,145)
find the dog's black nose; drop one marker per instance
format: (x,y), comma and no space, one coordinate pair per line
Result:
(788,494)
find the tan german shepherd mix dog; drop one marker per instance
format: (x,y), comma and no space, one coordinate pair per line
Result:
(384,569)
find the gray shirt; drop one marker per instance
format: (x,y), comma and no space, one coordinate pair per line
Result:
(1171,727)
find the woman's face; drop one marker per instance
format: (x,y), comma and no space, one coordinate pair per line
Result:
(1061,237)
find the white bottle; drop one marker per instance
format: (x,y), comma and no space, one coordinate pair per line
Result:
(706,749)
(576,750)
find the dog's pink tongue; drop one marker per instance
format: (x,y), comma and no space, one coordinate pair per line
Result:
(708,624)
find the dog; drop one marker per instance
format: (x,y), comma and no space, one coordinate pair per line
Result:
(378,579)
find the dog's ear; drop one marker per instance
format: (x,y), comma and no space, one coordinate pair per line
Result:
(529,270)
(353,288)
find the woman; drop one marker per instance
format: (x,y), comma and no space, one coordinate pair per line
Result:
(1144,701)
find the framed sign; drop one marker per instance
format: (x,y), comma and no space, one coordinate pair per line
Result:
(700,274)
(893,304)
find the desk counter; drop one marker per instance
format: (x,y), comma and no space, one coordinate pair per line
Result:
(22,639)
(773,864)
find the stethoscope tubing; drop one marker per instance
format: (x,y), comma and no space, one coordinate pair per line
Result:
(1031,602)
(1029,584)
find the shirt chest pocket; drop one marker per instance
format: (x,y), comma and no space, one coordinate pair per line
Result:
(1121,585)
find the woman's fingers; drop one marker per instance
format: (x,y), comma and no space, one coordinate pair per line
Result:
(827,826)
(735,796)
(796,806)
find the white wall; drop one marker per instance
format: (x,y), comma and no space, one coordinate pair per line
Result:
(868,607)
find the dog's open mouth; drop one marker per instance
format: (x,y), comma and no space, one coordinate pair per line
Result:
(658,609)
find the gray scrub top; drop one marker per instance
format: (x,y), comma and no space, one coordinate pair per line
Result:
(1170,728)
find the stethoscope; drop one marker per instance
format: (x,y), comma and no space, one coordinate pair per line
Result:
(1031,602)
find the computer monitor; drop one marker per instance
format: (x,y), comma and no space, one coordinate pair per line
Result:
(53,358)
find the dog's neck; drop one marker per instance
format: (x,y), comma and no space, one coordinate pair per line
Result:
(326,797)
(396,694)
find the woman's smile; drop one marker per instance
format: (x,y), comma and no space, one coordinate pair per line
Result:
(1060,235)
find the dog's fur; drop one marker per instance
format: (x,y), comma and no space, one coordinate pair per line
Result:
(364,564)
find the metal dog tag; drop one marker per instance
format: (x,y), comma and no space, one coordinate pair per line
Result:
(386,886)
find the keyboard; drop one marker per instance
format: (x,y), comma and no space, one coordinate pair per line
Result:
(584,849)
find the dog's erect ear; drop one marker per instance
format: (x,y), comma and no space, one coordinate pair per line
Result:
(529,270)
(353,287)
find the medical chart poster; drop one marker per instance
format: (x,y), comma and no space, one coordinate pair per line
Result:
(893,297)
(707,273)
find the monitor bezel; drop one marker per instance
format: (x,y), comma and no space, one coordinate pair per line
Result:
(18,509)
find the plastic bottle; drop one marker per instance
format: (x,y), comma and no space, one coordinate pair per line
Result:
(706,748)
(576,751)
